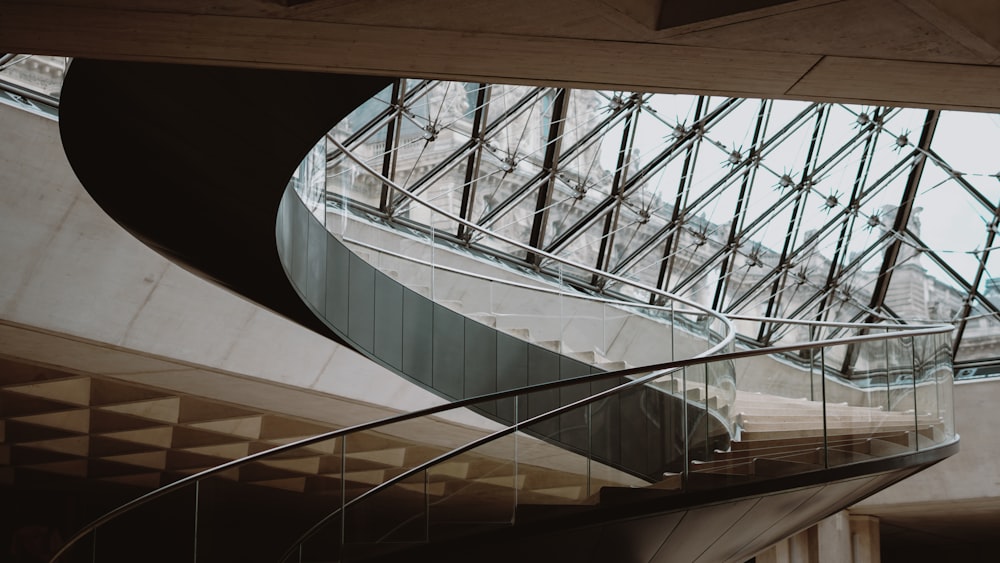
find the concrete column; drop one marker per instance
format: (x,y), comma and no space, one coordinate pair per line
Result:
(865,540)
(841,538)
(834,539)
(800,548)
(777,553)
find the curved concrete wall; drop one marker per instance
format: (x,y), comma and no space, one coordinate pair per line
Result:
(69,274)
(642,430)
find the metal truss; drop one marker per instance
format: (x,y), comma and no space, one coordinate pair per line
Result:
(774,208)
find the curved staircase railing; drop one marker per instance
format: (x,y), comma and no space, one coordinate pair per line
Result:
(462,474)
(807,435)
(768,445)
(450,336)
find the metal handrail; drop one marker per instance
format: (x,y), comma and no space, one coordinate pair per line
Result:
(624,303)
(519,285)
(658,370)
(536,251)
(181,483)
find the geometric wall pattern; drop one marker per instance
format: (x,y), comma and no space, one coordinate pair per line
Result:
(52,422)
(55,424)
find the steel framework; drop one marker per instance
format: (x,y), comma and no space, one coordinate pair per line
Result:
(775,208)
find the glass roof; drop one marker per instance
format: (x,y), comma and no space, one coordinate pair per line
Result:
(32,82)
(760,207)
(39,74)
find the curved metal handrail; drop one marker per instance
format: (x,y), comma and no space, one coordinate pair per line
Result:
(539,288)
(264,454)
(657,369)
(657,373)
(729,337)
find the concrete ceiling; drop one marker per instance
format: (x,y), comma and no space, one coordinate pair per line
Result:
(926,53)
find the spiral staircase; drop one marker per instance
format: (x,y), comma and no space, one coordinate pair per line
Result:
(556,441)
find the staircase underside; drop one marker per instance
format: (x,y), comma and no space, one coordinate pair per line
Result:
(643,525)
(194,161)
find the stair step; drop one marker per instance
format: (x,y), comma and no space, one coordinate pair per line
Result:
(777,464)
(519,333)
(570,492)
(363,253)
(832,430)
(800,406)
(781,467)
(837,456)
(424,290)
(758,465)
(926,437)
(855,418)
(885,448)
(752,445)
(722,460)
(591,357)
(554,345)
(695,395)
(671,484)
(831,425)
(453,304)
(487,319)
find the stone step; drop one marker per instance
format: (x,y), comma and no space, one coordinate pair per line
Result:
(519,333)
(764,425)
(424,290)
(487,319)
(831,430)
(591,357)
(453,304)
(553,345)
(788,452)
(815,441)
(874,417)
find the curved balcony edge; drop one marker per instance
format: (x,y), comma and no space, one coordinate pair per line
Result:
(420,339)
(193,160)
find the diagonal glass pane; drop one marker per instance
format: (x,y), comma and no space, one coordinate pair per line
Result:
(979,334)
(967,142)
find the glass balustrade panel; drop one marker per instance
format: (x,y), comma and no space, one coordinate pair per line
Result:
(933,426)
(474,491)
(944,379)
